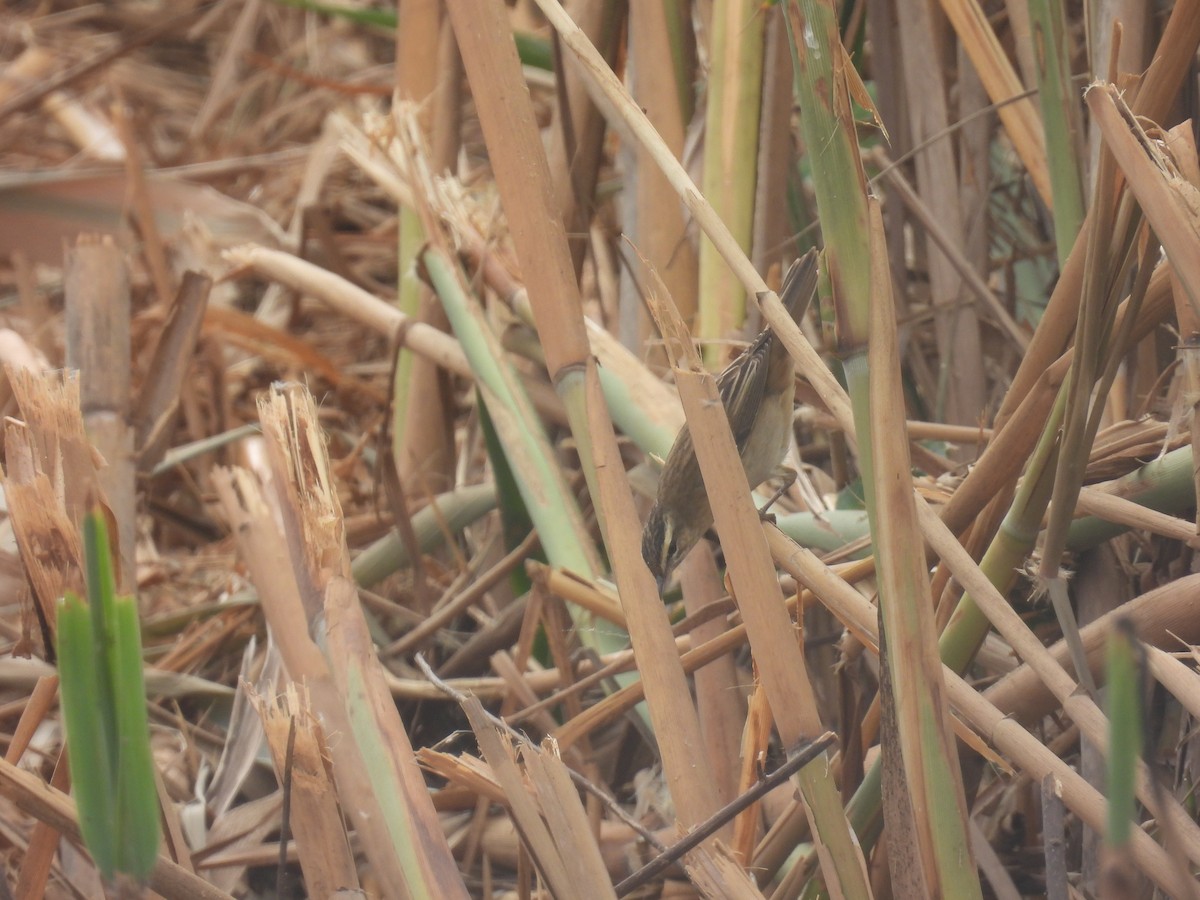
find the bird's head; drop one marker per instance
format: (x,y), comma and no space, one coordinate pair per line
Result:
(669,536)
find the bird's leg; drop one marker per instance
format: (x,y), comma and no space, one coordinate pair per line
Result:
(789,478)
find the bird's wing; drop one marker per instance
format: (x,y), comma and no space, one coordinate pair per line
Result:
(744,383)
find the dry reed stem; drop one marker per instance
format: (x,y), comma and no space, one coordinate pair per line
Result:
(519,166)
(320,559)
(675,719)
(1169,201)
(1017,744)
(1020,118)
(657,226)
(299,749)
(719,695)
(957,329)
(769,628)
(294,68)
(97,297)
(266,555)
(931,775)
(562,865)
(43,843)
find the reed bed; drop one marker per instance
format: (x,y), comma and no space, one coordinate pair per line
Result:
(362,332)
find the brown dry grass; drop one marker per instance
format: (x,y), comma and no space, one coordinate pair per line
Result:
(352,560)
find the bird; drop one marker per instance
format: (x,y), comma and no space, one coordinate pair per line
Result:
(757,390)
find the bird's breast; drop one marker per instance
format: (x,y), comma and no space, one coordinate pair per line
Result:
(768,440)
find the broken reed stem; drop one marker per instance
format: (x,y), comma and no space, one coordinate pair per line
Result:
(98,345)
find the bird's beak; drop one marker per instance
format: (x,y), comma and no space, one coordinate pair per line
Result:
(660,582)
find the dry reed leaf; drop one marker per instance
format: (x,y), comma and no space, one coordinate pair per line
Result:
(463,769)
(563,857)
(159,399)
(239,830)
(240,751)
(1168,200)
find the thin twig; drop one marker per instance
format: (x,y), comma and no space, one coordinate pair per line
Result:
(714,823)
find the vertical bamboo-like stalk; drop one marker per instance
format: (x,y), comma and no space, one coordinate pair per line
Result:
(769,628)
(98,345)
(1060,118)
(519,164)
(657,226)
(374,757)
(1115,40)
(857,269)
(933,780)
(1115,220)
(960,379)
(823,89)
(576,146)
(773,243)
(422,435)
(1004,87)
(1125,727)
(718,695)
(730,151)
(823,84)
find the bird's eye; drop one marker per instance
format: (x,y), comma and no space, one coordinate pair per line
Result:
(672,547)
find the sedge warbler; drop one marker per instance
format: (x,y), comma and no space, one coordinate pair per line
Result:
(758,391)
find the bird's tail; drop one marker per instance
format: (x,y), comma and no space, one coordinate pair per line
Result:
(799,285)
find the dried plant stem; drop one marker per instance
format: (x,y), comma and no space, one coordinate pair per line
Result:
(98,345)
(1017,744)
(611,95)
